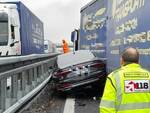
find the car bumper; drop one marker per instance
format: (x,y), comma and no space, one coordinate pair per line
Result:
(66,85)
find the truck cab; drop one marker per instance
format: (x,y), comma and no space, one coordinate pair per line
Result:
(48,46)
(9,30)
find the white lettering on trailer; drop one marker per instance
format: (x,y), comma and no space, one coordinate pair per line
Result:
(126,8)
(127,26)
(135,38)
(115,52)
(144,51)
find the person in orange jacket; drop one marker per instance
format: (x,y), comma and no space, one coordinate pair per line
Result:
(65,46)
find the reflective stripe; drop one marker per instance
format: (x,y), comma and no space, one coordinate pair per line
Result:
(134,106)
(108,104)
(118,87)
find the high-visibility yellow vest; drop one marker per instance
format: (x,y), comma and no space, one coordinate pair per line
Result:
(127,90)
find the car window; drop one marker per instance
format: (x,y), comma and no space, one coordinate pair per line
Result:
(71,58)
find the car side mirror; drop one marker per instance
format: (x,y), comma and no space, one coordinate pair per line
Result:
(12,44)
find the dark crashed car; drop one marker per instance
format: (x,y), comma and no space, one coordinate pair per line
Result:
(80,68)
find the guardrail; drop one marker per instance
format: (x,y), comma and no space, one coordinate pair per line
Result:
(21,78)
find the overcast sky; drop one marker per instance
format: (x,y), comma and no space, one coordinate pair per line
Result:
(60,17)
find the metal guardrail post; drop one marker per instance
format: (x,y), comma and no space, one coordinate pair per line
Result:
(21,91)
(24,82)
(3,84)
(11,90)
(31,77)
(46,70)
(14,88)
(39,74)
(29,80)
(8,91)
(42,72)
(35,77)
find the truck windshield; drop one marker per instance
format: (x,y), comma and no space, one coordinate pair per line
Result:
(3,33)
(3,29)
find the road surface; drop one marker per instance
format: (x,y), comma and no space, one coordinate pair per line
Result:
(84,101)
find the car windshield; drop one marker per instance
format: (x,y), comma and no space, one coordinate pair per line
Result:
(71,58)
(3,29)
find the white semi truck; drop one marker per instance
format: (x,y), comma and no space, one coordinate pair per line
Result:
(21,32)
(49,47)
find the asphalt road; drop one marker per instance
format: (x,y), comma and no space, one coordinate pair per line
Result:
(83,101)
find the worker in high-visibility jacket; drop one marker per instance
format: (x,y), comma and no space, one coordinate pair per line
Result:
(65,46)
(127,90)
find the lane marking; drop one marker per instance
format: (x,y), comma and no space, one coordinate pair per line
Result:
(69,105)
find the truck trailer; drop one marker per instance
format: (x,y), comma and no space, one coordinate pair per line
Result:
(120,24)
(93,27)
(128,26)
(21,32)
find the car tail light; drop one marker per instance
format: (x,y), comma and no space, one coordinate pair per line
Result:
(66,85)
(97,65)
(62,73)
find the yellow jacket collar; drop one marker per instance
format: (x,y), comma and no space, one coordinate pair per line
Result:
(131,65)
